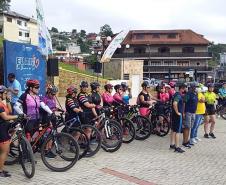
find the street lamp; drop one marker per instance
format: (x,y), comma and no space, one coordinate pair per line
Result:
(97,63)
(103,40)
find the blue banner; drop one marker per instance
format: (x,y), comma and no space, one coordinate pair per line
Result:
(26,62)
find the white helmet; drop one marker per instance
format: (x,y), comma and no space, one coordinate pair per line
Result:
(204,89)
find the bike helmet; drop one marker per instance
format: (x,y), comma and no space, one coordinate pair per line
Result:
(118,86)
(84,84)
(72,89)
(172,84)
(209,85)
(108,86)
(124,85)
(2,89)
(52,89)
(145,84)
(32,83)
(167,86)
(94,85)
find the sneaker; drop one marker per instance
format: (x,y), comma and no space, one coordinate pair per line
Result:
(193,141)
(50,154)
(172,147)
(206,136)
(212,135)
(179,150)
(4,174)
(198,139)
(186,145)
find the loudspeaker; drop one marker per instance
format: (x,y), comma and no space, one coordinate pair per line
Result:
(98,67)
(52,67)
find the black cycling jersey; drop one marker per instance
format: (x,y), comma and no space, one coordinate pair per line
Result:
(146,98)
(82,99)
(70,104)
(96,98)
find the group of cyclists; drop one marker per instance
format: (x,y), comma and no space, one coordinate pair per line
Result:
(188,108)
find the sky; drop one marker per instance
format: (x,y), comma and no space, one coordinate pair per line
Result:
(206,17)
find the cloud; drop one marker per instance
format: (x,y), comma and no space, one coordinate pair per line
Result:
(206,17)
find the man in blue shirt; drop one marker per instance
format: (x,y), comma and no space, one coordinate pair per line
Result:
(177,118)
(14,88)
(190,101)
(222,94)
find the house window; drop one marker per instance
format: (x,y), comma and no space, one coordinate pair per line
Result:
(155,63)
(139,50)
(27,34)
(155,36)
(9,19)
(139,36)
(20,33)
(168,63)
(126,76)
(0,29)
(172,36)
(164,50)
(188,50)
(182,63)
(25,24)
(19,22)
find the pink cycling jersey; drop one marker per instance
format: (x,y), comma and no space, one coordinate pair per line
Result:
(107,98)
(164,97)
(118,98)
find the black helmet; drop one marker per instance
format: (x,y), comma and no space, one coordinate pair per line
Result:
(84,84)
(108,86)
(118,86)
(145,84)
(52,89)
(94,85)
(124,85)
(210,85)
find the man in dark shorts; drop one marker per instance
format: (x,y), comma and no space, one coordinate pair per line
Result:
(177,118)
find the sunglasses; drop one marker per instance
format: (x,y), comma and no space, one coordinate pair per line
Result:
(36,87)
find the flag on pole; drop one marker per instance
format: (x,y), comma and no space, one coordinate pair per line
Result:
(113,46)
(44,38)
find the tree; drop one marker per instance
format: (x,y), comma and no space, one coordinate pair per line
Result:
(55,30)
(61,48)
(74,32)
(4,5)
(82,34)
(106,30)
(216,49)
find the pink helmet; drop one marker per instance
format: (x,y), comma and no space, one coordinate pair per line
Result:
(172,84)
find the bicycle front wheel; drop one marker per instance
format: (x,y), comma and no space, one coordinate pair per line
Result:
(26,157)
(128,130)
(60,152)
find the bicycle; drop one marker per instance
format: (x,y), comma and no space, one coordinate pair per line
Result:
(21,150)
(160,128)
(111,131)
(221,109)
(60,144)
(89,146)
(142,124)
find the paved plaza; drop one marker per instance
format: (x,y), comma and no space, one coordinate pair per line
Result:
(140,162)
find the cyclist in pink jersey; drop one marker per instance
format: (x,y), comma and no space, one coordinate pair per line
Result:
(118,95)
(29,104)
(106,96)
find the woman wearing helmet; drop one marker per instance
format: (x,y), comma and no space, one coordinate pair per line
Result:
(171,89)
(85,102)
(5,140)
(106,96)
(126,93)
(71,103)
(144,99)
(118,95)
(210,117)
(95,93)
(29,103)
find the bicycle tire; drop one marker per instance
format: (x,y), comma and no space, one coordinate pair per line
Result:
(112,126)
(162,133)
(95,140)
(143,128)
(127,125)
(25,150)
(83,141)
(68,141)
